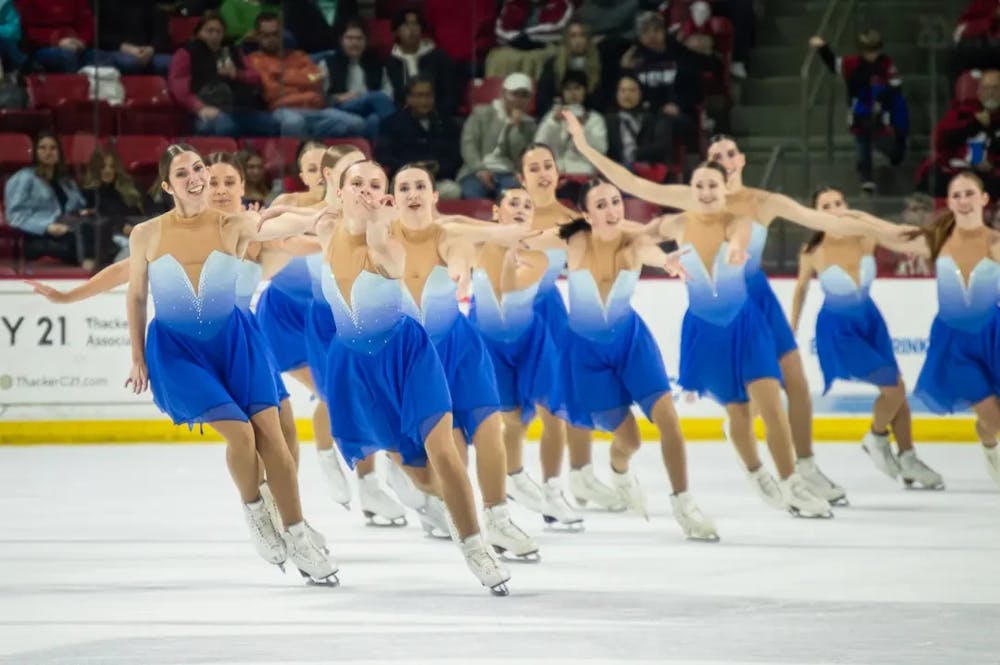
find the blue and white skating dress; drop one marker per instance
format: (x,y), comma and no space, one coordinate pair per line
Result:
(281,313)
(725,340)
(463,353)
(320,326)
(610,359)
(549,303)
(247,280)
(852,340)
(962,366)
(383,369)
(525,361)
(207,361)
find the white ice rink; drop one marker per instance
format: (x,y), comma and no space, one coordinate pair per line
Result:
(138,555)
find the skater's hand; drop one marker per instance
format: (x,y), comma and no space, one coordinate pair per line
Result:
(573,126)
(138,378)
(49,293)
(673,266)
(817,42)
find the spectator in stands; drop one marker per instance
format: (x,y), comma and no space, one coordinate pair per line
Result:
(293,87)
(132,38)
(576,53)
(209,79)
(241,16)
(531,24)
(316,25)
(878,115)
(113,197)
(493,137)
(968,137)
(11,56)
(976,38)
(636,134)
(358,82)
(43,201)
(609,19)
(415,54)
(741,14)
(552,128)
(56,32)
(418,133)
(258,188)
(465,36)
(695,31)
(669,75)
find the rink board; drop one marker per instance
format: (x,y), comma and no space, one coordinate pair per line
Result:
(63,368)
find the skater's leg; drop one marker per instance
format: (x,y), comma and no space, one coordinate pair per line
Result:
(280,466)
(554,435)
(241,457)
(461,446)
(625,443)
(799,414)
(581,447)
(767,394)
(672,446)
(491,460)
(741,434)
(321,417)
(286,418)
(456,491)
(513,440)
(365,466)
(902,425)
(987,421)
(886,406)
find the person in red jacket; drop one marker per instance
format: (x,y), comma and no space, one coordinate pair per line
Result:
(529,24)
(57,33)
(976,37)
(968,138)
(465,36)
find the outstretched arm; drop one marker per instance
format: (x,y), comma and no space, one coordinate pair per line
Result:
(801,286)
(671,196)
(850,224)
(279,222)
(138,292)
(114,275)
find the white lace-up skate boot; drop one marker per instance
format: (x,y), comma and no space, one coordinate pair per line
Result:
(992,456)
(525,491)
(377,506)
(767,487)
(913,470)
(692,521)
(312,562)
(556,510)
(490,572)
(434,518)
(272,509)
(336,479)
(265,538)
(407,493)
(506,537)
(879,449)
(801,501)
(630,492)
(586,487)
(819,483)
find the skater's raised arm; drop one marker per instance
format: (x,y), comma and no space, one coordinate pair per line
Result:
(279,222)
(778,205)
(806,270)
(113,275)
(138,293)
(670,196)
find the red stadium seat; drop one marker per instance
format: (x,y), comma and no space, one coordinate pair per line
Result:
(181,28)
(387,9)
(206,145)
(27,121)
(78,148)
(361,144)
(76,117)
(478,208)
(168,121)
(15,153)
(279,153)
(51,90)
(146,91)
(380,36)
(140,155)
(967,87)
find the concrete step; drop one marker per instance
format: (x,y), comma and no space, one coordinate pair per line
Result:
(774,90)
(785,59)
(777,120)
(843,144)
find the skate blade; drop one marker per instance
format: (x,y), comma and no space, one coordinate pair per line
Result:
(384,522)
(436,534)
(530,557)
(330,580)
(795,512)
(500,590)
(552,524)
(918,487)
(842,502)
(696,538)
(597,507)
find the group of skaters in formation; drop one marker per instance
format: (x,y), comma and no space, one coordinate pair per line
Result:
(363,308)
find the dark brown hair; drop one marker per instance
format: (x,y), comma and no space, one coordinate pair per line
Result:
(343,176)
(938,231)
(534,145)
(227,158)
(818,236)
(59,171)
(419,167)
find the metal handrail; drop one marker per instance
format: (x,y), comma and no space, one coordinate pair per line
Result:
(811,86)
(772,163)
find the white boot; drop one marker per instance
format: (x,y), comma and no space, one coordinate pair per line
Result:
(434,518)
(801,501)
(556,509)
(993,462)
(880,451)
(336,479)
(312,562)
(376,504)
(693,522)
(819,483)
(505,536)
(490,572)
(318,539)
(767,487)
(399,482)
(630,492)
(913,470)
(525,491)
(585,486)
(265,538)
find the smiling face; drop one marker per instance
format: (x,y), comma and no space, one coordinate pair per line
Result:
(515,208)
(728,156)
(967,200)
(605,211)
(831,201)
(362,180)
(187,181)
(539,174)
(309,169)
(415,196)
(225,187)
(709,189)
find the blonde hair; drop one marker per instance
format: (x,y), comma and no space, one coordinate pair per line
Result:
(124,184)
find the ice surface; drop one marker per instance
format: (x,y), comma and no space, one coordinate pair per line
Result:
(138,555)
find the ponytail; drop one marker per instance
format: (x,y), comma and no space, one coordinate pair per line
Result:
(814,242)
(578,225)
(936,233)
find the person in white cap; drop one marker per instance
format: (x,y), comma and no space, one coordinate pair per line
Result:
(492,138)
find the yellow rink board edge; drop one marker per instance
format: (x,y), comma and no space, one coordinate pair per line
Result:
(957,430)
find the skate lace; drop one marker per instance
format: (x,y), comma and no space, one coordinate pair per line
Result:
(481,560)
(304,548)
(259,521)
(506,526)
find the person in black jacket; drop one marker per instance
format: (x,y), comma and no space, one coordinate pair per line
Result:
(315,27)
(132,38)
(415,54)
(357,80)
(576,53)
(636,134)
(419,134)
(113,199)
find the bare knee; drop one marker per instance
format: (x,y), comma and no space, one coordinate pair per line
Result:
(421,477)
(627,435)
(489,430)
(767,399)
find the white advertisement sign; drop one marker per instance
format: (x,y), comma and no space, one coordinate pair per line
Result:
(71,361)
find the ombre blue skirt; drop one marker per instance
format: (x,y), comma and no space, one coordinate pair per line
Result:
(551,308)
(320,331)
(527,371)
(282,319)
(854,345)
(762,295)
(961,368)
(471,376)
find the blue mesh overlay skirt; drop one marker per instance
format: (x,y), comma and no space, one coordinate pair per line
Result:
(470,374)
(320,331)
(762,295)
(961,367)
(527,371)
(282,319)
(854,345)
